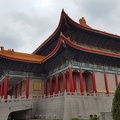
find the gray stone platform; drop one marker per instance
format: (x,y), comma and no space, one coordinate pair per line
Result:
(61,106)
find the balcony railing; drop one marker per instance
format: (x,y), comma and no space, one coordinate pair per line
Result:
(74,94)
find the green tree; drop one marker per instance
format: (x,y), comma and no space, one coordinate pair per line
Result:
(116,104)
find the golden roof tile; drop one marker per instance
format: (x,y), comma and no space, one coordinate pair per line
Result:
(11,54)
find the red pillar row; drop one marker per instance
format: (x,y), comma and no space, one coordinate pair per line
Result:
(57,84)
(106,83)
(94,82)
(71,81)
(27,88)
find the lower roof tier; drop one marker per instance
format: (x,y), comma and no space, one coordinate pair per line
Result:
(59,59)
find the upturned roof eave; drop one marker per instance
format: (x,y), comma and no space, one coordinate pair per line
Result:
(53,34)
(20,59)
(37,61)
(55,50)
(65,16)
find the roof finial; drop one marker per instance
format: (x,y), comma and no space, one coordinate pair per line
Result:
(1,48)
(82,22)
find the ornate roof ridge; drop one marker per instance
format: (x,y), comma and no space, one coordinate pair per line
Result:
(82,25)
(88,28)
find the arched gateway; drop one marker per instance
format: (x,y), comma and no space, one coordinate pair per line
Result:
(73,73)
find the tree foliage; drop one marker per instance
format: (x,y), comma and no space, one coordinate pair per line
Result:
(116,104)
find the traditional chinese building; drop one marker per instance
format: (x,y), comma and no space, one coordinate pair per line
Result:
(73,73)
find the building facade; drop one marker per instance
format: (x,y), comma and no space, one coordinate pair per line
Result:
(74,73)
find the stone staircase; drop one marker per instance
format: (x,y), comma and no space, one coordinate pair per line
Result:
(13,105)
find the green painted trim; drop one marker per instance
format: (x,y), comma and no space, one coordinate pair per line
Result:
(64,67)
(21,75)
(3,77)
(57,72)
(83,66)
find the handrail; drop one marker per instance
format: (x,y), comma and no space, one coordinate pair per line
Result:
(15,101)
(29,102)
(74,94)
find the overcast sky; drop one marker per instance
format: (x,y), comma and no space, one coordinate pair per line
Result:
(25,24)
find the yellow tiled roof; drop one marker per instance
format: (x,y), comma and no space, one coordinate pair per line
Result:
(11,54)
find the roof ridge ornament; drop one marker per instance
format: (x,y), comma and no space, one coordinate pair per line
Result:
(63,9)
(82,22)
(1,48)
(61,34)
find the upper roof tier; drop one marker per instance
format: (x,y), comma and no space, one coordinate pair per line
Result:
(82,34)
(79,36)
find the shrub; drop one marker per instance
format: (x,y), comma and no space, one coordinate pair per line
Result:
(116,104)
(93,117)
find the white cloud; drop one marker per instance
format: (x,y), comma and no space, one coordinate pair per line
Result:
(25,24)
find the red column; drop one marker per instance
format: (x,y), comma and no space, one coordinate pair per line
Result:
(15,89)
(71,80)
(51,86)
(94,82)
(20,88)
(2,89)
(81,83)
(106,83)
(45,88)
(57,84)
(116,80)
(74,78)
(64,81)
(6,87)
(86,86)
(27,88)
